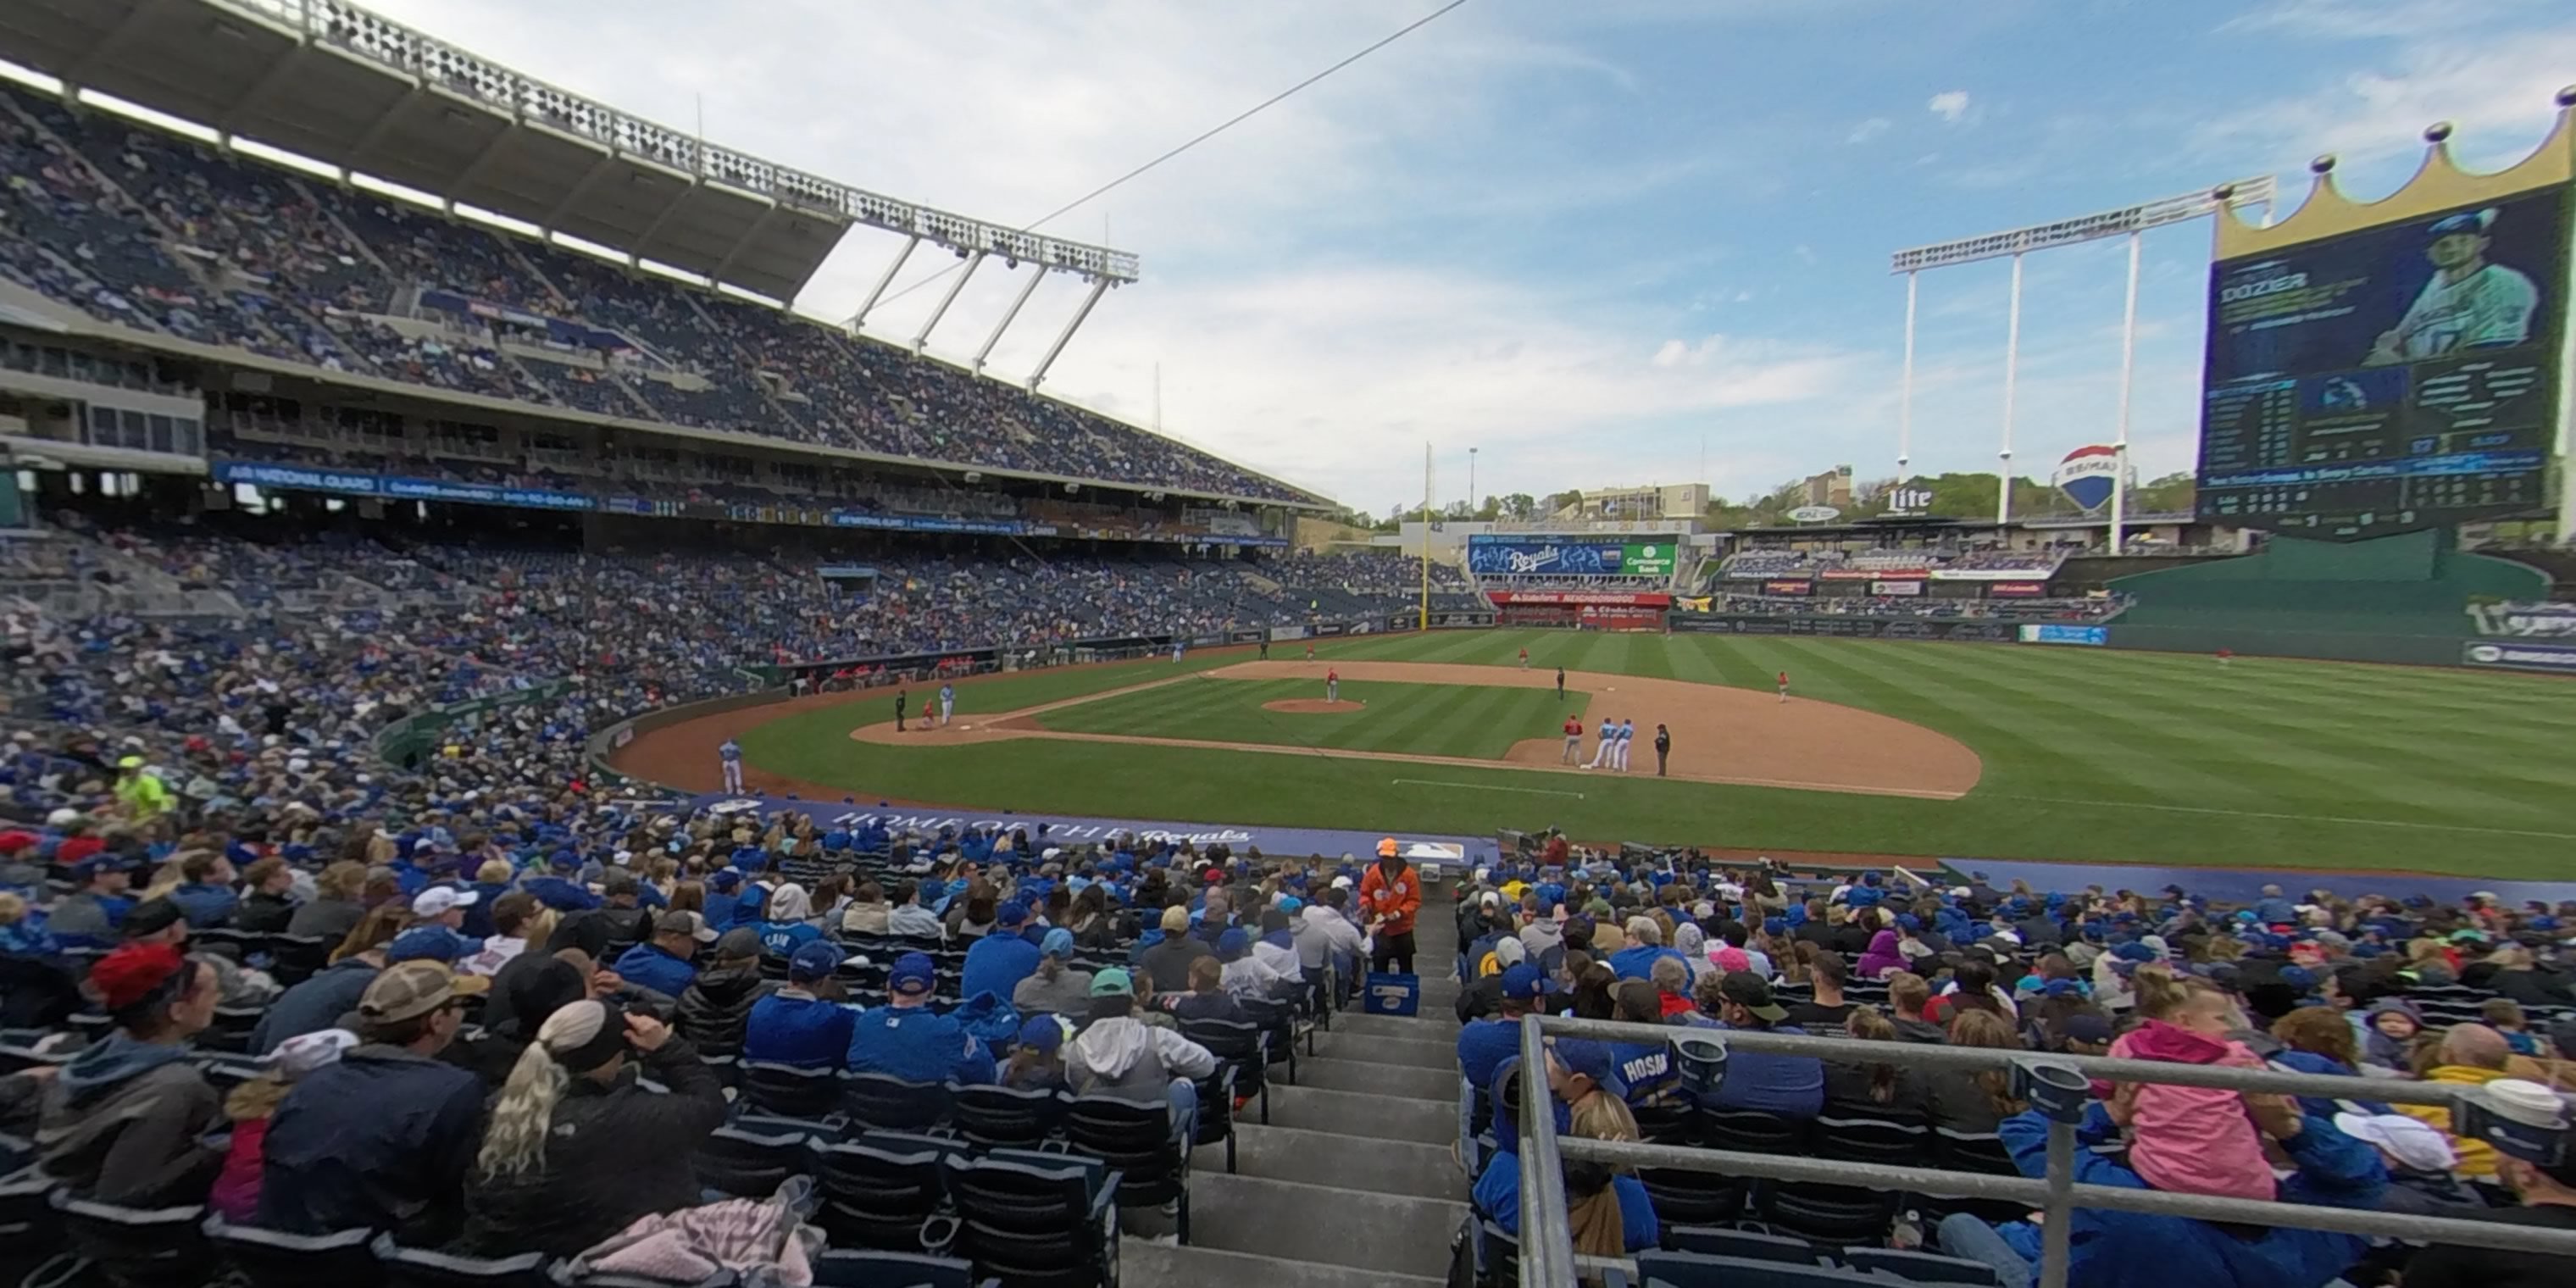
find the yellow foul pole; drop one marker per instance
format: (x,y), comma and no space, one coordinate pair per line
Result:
(1425,623)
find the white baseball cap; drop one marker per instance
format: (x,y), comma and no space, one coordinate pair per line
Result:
(2414,1143)
(438,901)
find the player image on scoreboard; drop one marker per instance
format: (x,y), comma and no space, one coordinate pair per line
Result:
(2469,302)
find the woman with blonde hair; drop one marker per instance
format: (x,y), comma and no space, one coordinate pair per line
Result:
(1975,1102)
(573,1150)
(375,930)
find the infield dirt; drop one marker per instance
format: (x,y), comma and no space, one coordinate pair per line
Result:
(1719,735)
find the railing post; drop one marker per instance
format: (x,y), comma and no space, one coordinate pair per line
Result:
(2060,1211)
(1547,1234)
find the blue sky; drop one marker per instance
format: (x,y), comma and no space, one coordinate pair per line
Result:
(1584,238)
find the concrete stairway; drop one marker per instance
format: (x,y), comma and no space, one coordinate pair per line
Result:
(1352,1184)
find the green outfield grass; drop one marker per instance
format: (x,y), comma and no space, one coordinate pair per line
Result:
(2089,755)
(1473,721)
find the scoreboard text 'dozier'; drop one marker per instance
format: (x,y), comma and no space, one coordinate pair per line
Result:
(1540,555)
(2379,369)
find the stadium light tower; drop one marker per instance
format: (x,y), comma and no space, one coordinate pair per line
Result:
(2128,221)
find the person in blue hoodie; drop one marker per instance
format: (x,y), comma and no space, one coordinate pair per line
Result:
(1608,1209)
(999,961)
(666,962)
(205,891)
(907,1039)
(799,1024)
(2134,1250)
(721,899)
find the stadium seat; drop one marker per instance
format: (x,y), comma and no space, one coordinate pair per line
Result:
(1839,1215)
(1216,1113)
(877,1100)
(1036,1225)
(422,1268)
(1244,1048)
(1278,1021)
(136,1247)
(29,1229)
(788,1091)
(1694,1270)
(843,1268)
(750,1165)
(1921,1267)
(1871,1140)
(879,1197)
(270,1259)
(990,1116)
(1135,1139)
(1751,1131)
(1750,1245)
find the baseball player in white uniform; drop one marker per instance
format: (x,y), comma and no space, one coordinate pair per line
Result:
(1176,651)
(1602,750)
(729,754)
(2468,304)
(947,702)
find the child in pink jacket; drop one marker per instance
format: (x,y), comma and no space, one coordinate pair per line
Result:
(2191,1140)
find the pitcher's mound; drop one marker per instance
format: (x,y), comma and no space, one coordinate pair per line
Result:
(1310,706)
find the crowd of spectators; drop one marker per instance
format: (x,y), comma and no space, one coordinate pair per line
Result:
(156,231)
(2372,989)
(1925,606)
(2039,564)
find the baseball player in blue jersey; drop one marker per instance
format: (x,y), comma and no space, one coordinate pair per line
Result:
(947,702)
(729,753)
(1601,750)
(1627,737)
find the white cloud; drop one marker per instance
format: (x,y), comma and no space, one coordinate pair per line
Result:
(1949,105)
(1869,129)
(2498,92)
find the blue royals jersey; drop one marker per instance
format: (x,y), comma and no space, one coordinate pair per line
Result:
(730,750)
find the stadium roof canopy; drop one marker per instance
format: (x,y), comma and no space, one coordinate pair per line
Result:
(334,82)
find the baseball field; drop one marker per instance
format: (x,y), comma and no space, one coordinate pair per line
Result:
(1884,748)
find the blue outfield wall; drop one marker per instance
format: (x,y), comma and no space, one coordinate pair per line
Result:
(1063,829)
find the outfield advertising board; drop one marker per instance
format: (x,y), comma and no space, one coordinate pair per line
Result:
(2520,655)
(1841,626)
(2051,633)
(1541,555)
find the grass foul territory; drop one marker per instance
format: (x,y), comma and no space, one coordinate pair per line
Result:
(2085,754)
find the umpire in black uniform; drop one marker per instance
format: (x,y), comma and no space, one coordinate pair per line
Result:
(1663,748)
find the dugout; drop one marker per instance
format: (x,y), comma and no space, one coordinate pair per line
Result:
(2393,599)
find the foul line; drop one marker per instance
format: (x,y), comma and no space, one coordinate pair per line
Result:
(1484,787)
(2299,818)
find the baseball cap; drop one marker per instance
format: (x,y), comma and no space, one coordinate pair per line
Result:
(685,923)
(1753,993)
(129,762)
(913,974)
(2474,223)
(724,881)
(1638,997)
(1042,1034)
(1386,848)
(1011,915)
(1522,981)
(2091,1030)
(1594,1060)
(1732,959)
(438,901)
(1058,943)
(151,917)
(814,961)
(2414,1143)
(306,1052)
(408,990)
(1113,982)
(739,942)
(435,944)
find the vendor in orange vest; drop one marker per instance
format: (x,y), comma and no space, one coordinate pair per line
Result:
(1390,894)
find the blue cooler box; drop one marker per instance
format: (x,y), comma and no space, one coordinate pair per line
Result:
(1392,994)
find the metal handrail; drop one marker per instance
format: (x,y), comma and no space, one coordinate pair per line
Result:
(1546,1239)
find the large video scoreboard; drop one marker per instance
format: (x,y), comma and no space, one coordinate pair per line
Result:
(2387,378)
